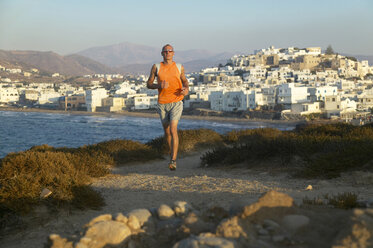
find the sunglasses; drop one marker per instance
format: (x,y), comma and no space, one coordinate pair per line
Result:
(167,51)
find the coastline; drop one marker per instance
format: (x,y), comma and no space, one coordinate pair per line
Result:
(151,115)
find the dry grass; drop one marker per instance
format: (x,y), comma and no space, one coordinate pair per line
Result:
(346,200)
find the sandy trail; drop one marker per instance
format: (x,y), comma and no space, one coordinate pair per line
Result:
(150,184)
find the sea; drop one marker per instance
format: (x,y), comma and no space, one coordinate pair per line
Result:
(20,131)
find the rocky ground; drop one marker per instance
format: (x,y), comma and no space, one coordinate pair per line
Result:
(203,207)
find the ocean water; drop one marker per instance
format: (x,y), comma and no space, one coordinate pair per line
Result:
(21,130)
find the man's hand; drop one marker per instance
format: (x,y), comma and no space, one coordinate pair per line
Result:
(184,91)
(163,85)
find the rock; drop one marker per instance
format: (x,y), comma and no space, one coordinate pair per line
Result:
(181,207)
(165,212)
(105,233)
(357,233)
(195,225)
(133,223)
(55,241)
(143,215)
(104,217)
(204,242)
(294,222)
(271,199)
(230,228)
(215,213)
(270,225)
(121,218)
(45,193)
(169,224)
(278,238)
(263,232)
(263,244)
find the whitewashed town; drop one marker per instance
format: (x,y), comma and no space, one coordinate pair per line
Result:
(295,82)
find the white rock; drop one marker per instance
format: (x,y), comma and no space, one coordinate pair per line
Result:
(294,222)
(45,193)
(181,207)
(143,215)
(106,233)
(133,222)
(121,218)
(104,217)
(165,212)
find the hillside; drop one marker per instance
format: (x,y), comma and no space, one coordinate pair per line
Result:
(137,58)
(52,62)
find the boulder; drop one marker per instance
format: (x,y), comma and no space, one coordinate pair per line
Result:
(230,228)
(143,215)
(133,223)
(165,212)
(104,217)
(271,199)
(105,233)
(55,241)
(294,222)
(181,207)
(204,242)
(121,218)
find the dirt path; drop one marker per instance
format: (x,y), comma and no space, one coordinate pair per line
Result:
(151,184)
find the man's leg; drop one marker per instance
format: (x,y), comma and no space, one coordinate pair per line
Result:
(175,139)
(167,135)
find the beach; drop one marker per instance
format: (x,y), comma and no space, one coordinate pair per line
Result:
(152,114)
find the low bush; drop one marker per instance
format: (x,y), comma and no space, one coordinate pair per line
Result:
(64,171)
(24,175)
(327,150)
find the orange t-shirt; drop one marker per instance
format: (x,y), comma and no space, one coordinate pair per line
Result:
(171,74)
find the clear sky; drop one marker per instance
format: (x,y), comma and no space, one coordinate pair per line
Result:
(68,26)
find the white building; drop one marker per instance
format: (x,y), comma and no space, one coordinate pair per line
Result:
(145,102)
(9,95)
(94,98)
(289,94)
(48,97)
(323,91)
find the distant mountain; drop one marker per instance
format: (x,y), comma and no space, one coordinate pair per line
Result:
(191,66)
(132,56)
(365,57)
(73,65)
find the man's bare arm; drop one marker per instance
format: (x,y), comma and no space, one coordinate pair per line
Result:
(150,83)
(184,81)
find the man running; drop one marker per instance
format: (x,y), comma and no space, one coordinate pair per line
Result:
(172,86)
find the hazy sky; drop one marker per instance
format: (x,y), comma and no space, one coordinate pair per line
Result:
(68,26)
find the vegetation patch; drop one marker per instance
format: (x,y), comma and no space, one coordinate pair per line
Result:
(345,200)
(326,150)
(66,172)
(189,140)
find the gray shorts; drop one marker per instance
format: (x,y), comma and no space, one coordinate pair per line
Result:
(170,111)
